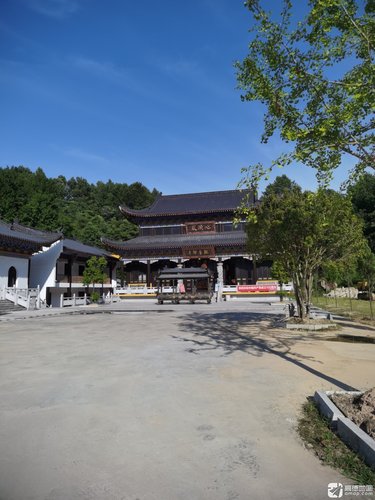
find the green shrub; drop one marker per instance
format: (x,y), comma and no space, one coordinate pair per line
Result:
(95,296)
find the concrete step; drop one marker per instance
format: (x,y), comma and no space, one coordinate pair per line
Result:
(7,306)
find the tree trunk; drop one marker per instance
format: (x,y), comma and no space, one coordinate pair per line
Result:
(303,288)
(370,287)
(301,312)
(309,288)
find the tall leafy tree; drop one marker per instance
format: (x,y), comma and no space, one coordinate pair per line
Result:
(302,231)
(363,198)
(281,184)
(79,209)
(30,197)
(279,273)
(94,271)
(316,79)
(367,270)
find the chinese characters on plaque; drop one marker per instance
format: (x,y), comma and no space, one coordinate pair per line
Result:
(198,252)
(200,227)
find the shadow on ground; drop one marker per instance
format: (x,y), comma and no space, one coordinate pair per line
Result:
(255,334)
(354,326)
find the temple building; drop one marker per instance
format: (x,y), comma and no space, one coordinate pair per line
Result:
(190,230)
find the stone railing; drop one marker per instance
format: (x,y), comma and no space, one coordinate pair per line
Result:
(141,289)
(25,297)
(75,300)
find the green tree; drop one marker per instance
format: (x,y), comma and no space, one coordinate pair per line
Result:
(80,210)
(363,198)
(30,197)
(316,79)
(334,273)
(94,272)
(16,190)
(139,196)
(367,270)
(302,231)
(122,229)
(281,184)
(279,273)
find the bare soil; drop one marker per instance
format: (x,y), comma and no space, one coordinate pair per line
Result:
(360,409)
(311,321)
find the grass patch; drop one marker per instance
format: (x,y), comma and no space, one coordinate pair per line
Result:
(359,310)
(317,435)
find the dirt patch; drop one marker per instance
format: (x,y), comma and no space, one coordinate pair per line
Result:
(360,409)
(311,324)
(310,321)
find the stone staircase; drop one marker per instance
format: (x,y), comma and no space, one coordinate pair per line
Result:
(6,306)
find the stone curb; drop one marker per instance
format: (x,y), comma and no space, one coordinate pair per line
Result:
(348,431)
(327,408)
(309,327)
(357,439)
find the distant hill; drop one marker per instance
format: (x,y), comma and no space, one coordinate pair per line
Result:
(79,209)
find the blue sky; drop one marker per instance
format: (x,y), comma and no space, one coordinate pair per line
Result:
(131,91)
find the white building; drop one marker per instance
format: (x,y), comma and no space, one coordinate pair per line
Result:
(58,270)
(17,244)
(31,259)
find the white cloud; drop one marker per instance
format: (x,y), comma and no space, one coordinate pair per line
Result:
(80,154)
(104,69)
(181,67)
(129,78)
(193,72)
(58,9)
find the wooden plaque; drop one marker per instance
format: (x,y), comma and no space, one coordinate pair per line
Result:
(198,252)
(200,227)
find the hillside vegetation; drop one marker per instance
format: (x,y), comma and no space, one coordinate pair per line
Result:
(80,210)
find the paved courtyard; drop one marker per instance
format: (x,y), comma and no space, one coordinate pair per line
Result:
(143,402)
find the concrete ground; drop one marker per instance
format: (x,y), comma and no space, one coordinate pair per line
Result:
(136,401)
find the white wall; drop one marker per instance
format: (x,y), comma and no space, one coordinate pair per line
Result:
(43,268)
(22,267)
(114,280)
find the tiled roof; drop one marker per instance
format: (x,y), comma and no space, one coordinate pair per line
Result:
(73,246)
(18,237)
(194,203)
(179,241)
(26,234)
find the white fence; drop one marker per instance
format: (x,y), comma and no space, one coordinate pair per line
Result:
(75,300)
(25,297)
(136,290)
(143,289)
(30,298)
